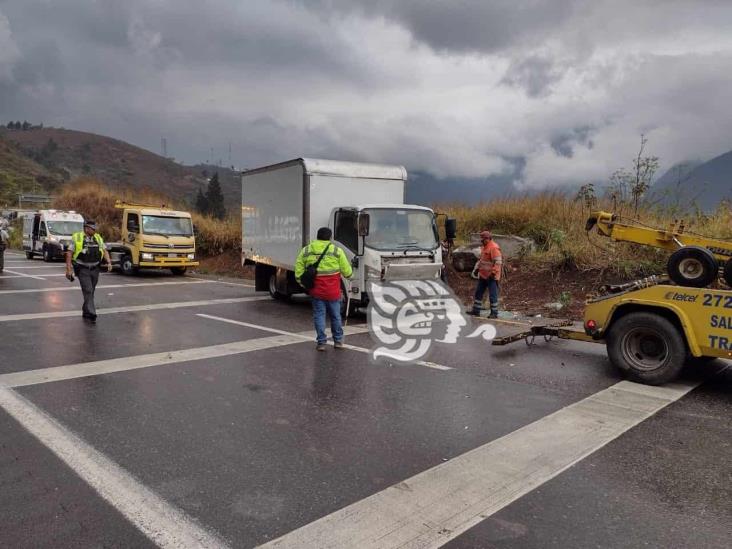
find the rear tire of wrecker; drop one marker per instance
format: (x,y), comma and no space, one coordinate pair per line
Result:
(178,271)
(127,267)
(647,346)
(693,266)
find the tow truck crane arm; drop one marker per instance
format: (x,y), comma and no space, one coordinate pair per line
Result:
(695,259)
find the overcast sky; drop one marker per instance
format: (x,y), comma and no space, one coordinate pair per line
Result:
(453,87)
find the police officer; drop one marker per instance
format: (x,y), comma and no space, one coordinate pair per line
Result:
(332,263)
(84,255)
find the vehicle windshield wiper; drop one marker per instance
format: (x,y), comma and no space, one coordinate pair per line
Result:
(414,247)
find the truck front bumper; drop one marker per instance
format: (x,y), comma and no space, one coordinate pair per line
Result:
(166,263)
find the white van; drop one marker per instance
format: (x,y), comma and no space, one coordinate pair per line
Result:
(48,233)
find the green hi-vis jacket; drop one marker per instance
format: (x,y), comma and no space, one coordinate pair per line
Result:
(333,265)
(78,239)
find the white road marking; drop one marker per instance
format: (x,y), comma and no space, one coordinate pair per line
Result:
(132,308)
(23,275)
(101,286)
(99,367)
(44,276)
(439,504)
(59,266)
(162,523)
(222,282)
(309,336)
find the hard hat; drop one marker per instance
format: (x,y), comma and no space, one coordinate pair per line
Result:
(485,235)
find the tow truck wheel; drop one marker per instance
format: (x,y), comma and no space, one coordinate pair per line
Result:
(29,255)
(126,266)
(727,273)
(692,266)
(647,346)
(47,257)
(178,271)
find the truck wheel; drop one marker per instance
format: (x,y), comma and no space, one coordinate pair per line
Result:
(127,267)
(47,256)
(692,266)
(272,287)
(178,271)
(727,273)
(29,255)
(647,346)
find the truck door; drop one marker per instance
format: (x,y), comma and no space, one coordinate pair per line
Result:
(42,235)
(346,229)
(131,228)
(36,230)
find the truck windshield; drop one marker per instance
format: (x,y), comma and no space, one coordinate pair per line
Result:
(64,228)
(401,229)
(167,226)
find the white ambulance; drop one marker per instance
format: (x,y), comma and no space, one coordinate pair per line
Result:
(48,232)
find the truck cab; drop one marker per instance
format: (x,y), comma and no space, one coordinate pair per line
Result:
(154,238)
(48,233)
(387,242)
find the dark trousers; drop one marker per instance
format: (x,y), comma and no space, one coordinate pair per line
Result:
(88,278)
(490,284)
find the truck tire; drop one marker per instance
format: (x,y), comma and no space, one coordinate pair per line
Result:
(692,266)
(47,255)
(126,266)
(647,346)
(272,287)
(727,273)
(29,255)
(178,271)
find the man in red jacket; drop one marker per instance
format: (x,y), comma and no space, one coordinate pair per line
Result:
(489,266)
(326,293)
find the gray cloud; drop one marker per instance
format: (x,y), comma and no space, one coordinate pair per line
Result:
(452,88)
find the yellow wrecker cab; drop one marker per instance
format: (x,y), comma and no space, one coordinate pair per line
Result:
(154,238)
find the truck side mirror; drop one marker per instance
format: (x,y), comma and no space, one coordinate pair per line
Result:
(364,221)
(450,228)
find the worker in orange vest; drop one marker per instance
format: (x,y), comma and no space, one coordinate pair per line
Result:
(489,267)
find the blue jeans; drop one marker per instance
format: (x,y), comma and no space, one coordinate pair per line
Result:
(320,306)
(484,284)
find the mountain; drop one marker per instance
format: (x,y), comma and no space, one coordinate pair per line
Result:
(53,156)
(697,183)
(428,190)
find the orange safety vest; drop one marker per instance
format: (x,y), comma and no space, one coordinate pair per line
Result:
(491,261)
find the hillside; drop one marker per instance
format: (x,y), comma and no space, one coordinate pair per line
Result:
(705,183)
(51,156)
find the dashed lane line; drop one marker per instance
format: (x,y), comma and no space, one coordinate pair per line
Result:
(309,336)
(163,524)
(23,275)
(222,282)
(59,266)
(133,308)
(437,505)
(109,366)
(42,277)
(101,287)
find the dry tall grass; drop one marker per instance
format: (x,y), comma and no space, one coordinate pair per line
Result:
(556,223)
(94,200)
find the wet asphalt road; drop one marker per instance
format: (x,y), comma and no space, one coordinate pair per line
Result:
(253,445)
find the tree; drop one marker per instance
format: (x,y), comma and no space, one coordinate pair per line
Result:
(586,194)
(628,187)
(17,125)
(26,125)
(201,202)
(10,125)
(215,198)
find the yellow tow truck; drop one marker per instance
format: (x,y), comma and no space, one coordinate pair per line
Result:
(651,328)
(153,237)
(696,259)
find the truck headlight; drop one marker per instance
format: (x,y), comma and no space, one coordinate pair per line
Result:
(190,256)
(52,239)
(147,257)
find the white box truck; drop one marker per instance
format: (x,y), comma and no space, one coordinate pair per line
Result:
(283,206)
(48,232)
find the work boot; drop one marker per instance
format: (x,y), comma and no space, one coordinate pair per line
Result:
(320,347)
(473,312)
(338,344)
(494,314)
